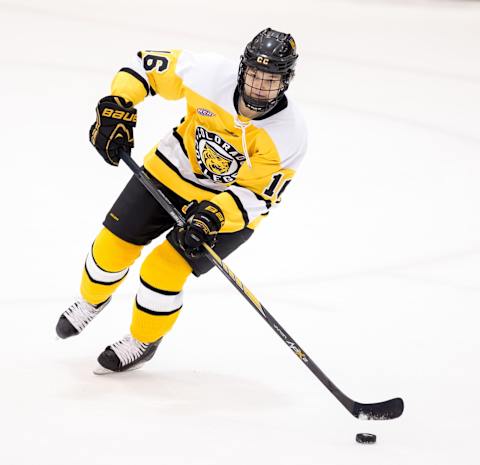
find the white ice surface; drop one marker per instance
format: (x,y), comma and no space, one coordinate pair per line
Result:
(376,275)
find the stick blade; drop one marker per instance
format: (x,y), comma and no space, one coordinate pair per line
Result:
(387,410)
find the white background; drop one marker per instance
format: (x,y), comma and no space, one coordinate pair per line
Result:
(371,263)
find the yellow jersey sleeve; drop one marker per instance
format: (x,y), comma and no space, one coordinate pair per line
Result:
(259,188)
(153,72)
(242,204)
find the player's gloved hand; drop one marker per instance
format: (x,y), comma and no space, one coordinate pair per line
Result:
(113,128)
(204,220)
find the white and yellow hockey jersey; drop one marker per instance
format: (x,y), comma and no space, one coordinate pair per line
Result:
(215,154)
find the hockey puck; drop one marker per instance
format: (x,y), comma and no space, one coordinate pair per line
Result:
(366,438)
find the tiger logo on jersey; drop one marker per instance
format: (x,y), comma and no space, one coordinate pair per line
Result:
(214,161)
(218,159)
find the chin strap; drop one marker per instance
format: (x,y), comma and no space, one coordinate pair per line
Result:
(243,126)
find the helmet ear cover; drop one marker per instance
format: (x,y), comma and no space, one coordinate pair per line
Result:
(269,51)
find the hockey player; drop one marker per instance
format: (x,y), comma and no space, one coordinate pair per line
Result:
(224,166)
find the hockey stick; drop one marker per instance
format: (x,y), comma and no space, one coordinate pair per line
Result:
(387,410)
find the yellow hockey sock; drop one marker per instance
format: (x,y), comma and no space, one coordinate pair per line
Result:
(106,266)
(159,298)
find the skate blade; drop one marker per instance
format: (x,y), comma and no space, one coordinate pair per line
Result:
(99,370)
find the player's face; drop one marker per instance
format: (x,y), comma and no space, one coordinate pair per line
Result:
(261,85)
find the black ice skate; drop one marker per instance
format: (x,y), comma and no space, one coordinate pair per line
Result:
(125,355)
(77,317)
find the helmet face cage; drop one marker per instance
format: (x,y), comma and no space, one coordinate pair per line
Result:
(268,55)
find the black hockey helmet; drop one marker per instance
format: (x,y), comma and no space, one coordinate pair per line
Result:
(272,52)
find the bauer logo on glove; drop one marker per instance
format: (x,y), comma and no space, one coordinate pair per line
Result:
(119,114)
